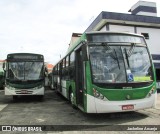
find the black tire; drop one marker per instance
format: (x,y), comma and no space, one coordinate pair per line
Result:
(15,97)
(41,97)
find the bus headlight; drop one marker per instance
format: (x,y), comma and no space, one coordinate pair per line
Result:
(98,95)
(35,88)
(9,87)
(13,88)
(40,86)
(151,91)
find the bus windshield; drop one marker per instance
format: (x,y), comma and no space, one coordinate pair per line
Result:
(25,70)
(120,63)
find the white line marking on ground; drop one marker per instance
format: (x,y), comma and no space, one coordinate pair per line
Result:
(2,106)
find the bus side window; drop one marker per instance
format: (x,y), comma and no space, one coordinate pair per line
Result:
(67,68)
(72,65)
(63,68)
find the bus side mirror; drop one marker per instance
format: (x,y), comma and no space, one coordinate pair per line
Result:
(4,74)
(3,65)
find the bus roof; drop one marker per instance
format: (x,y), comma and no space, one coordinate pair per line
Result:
(24,54)
(83,37)
(113,32)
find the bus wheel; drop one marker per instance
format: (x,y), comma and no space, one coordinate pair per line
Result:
(71,99)
(15,97)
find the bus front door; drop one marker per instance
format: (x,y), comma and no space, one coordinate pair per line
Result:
(79,77)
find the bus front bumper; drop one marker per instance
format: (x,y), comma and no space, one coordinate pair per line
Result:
(95,105)
(39,91)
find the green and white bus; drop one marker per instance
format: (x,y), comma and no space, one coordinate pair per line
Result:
(106,72)
(24,74)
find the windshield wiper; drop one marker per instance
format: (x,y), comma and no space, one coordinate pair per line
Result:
(105,45)
(117,58)
(126,55)
(130,51)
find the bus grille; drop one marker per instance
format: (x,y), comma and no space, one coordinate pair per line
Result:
(24,92)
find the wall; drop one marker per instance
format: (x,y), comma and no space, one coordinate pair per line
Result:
(154,38)
(121,28)
(103,28)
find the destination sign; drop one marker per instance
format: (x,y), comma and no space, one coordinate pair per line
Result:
(24,57)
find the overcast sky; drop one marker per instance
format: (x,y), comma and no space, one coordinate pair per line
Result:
(46,26)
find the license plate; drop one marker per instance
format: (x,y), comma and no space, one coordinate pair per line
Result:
(24,91)
(127,107)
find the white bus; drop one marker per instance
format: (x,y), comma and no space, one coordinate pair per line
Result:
(25,74)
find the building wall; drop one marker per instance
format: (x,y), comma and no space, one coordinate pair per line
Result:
(103,28)
(154,38)
(121,28)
